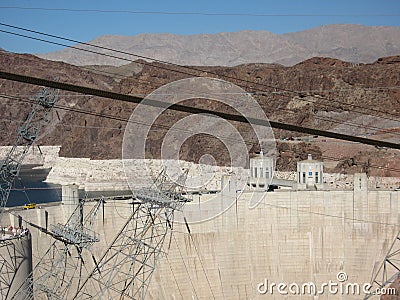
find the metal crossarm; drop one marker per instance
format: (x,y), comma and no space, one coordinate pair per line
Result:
(388,271)
(125,269)
(27,134)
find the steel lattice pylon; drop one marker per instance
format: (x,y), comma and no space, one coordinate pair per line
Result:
(7,268)
(61,266)
(126,267)
(11,256)
(388,271)
(11,165)
(27,134)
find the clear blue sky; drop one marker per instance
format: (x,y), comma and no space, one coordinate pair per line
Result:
(283,16)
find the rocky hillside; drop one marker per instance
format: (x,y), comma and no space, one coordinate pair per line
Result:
(329,93)
(354,43)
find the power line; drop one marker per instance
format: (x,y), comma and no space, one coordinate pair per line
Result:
(332,120)
(186,267)
(325,214)
(161,126)
(378,88)
(64,45)
(318,214)
(247,142)
(173,276)
(124,205)
(194,13)
(191,110)
(351,106)
(201,263)
(328,119)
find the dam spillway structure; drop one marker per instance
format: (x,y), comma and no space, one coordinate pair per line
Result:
(15,261)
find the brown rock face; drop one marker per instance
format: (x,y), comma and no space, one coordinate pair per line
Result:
(319,93)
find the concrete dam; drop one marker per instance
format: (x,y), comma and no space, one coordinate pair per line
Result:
(291,237)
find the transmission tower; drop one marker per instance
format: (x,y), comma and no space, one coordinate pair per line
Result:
(61,267)
(126,267)
(15,265)
(27,133)
(389,269)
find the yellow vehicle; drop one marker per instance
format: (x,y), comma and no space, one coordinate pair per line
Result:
(30,206)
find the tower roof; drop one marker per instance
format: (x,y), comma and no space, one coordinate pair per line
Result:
(309,160)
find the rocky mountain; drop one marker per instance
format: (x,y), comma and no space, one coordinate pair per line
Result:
(353,43)
(328,94)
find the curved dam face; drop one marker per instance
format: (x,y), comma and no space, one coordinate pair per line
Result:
(291,237)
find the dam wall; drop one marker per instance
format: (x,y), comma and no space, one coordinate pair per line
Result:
(290,237)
